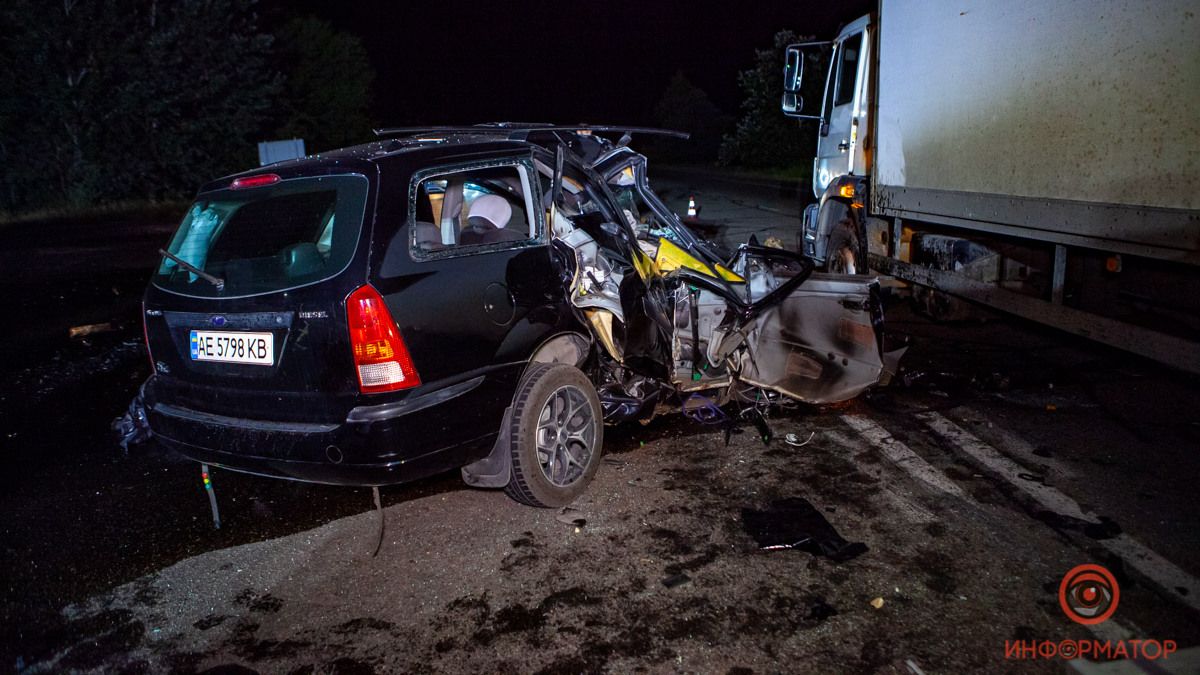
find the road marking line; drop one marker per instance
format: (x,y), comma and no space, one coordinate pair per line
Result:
(1176,582)
(1112,631)
(902,456)
(1014,445)
(900,502)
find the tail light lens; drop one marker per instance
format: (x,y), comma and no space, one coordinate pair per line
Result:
(380,356)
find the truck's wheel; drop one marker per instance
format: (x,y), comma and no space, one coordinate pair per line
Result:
(843,255)
(557,436)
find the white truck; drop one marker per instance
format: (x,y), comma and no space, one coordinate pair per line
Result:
(1039,157)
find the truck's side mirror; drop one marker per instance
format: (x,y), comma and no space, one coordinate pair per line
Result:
(793,78)
(793,74)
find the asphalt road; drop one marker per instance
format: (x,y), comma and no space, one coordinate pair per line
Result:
(1003,456)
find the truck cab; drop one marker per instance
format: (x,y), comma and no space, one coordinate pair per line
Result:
(843,121)
(1040,164)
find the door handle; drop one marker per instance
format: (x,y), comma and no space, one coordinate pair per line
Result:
(844,145)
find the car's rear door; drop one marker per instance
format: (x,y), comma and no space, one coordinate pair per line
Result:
(470,282)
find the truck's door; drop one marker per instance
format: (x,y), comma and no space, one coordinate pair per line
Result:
(841,108)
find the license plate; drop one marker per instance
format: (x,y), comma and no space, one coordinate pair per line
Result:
(256,349)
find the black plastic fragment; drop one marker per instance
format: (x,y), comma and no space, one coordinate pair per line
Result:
(760,424)
(132,428)
(793,523)
(820,610)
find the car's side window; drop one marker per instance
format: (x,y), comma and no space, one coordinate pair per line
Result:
(458,211)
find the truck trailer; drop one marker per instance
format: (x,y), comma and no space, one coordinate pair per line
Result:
(1041,158)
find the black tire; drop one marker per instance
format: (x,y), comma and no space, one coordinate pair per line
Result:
(557,473)
(844,253)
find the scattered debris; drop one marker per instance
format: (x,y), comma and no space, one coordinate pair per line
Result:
(877,603)
(676,580)
(794,440)
(565,518)
(71,367)
(132,428)
(793,523)
(756,417)
(704,410)
(90,329)
(820,610)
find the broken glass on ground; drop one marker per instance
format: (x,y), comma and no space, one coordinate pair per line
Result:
(794,523)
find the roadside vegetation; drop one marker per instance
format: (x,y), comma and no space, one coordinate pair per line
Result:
(121,109)
(758,143)
(99,100)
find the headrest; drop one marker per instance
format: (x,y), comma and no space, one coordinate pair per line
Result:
(492,208)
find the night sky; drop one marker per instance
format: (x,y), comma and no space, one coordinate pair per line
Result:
(454,62)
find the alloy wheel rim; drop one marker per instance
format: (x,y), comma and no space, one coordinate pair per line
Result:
(565,436)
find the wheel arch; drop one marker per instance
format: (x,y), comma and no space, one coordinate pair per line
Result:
(843,205)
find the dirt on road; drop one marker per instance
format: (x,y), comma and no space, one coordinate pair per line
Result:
(653,569)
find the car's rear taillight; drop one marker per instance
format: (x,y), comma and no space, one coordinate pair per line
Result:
(380,356)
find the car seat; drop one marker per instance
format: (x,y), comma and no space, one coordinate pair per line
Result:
(487,222)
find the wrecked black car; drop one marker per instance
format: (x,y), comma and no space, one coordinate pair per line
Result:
(484,298)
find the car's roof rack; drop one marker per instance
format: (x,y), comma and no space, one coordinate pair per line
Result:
(520,131)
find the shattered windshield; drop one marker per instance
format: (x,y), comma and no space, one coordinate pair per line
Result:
(266,239)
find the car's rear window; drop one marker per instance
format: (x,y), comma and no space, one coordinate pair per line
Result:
(266,239)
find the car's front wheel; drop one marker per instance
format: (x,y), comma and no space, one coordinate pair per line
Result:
(557,436)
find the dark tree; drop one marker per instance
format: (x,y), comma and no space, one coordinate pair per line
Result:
(765,137)
(127,98)
(686,107)
(328,87)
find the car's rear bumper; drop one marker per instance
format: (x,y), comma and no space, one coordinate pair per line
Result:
(376,445)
